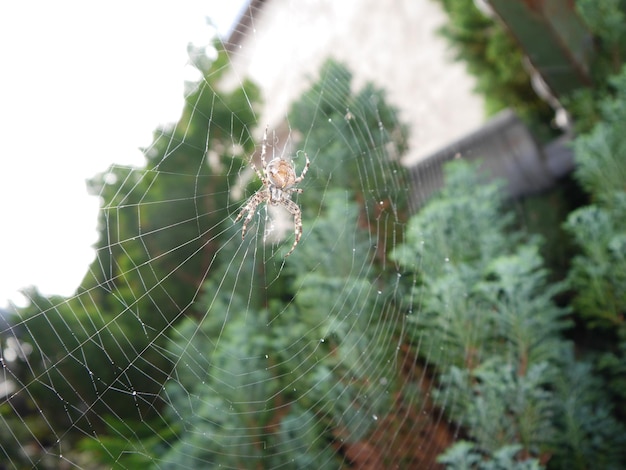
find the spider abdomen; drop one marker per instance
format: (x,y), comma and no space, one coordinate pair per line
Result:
(281,173)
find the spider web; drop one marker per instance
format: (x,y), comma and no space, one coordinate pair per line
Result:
(186,346)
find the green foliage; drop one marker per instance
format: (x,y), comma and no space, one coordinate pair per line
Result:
(600,153)
(591,435)
(499,406)
(598,272)
(160,225)
(293,377)
(289,358)
(18,429)
(85,362)
(357,140)
(526,321)
(477,279)
(97,359)
(495,60)
(438,235)
(482,313)
(606,21)
(127,444)
(465,456)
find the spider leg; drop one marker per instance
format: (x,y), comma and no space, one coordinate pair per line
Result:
(250,208)
(262,174)
(293,208)
(259,174)
(264,148)
(304,170)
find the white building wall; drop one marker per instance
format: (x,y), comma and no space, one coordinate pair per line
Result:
(392,43)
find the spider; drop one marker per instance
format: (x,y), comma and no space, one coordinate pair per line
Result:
(279,180)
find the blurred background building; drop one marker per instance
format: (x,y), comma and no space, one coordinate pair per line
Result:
(281,47)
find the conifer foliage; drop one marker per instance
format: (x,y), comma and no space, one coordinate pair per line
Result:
(288,365)
(483,318)
(598,272)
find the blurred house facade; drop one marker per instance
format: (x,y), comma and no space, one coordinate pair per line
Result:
(281,45)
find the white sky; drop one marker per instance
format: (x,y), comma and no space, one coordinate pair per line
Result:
(83,85)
